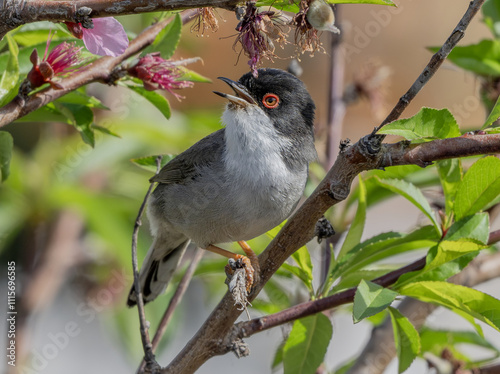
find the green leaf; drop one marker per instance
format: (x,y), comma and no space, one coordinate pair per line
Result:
(306,346)
(491,13)
(493,116)
(383,246)
(9,83)
(377,2)
(77,97)
(303,275)
(159,101)
(480,186)
(355,232)
(450,174)
(412,194)
(473,302)
(192,76)
(167,40)
(476,227)
(370,299)
(303,259)
(406,339)
(428,123)
(79,116)
(149,162)
(443,261)
(435,341)
(6,146)
(482,58)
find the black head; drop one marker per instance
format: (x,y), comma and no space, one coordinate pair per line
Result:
(286,102)
(281,95)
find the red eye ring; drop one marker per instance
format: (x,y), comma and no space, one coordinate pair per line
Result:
(271,101)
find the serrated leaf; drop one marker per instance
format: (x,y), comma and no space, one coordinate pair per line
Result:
(476,227)
(412,194)
(299,273)
(455,297)
(77,97)
(6,146)
(80,116)
(493,116)
(443,261)
(428,123)
(450,175)
(482,58)
(491,13)
(355,232)
(435,341)
(159,101)
(406,339)
(383,246)
(167,40)
(480,186)
(9,82)
(306,346)
(303,259)
(370,299)
(149,162)
(192,76)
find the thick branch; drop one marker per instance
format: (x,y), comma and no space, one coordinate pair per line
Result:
(98,71)
(16,13)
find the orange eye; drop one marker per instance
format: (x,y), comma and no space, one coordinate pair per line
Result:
(271,100)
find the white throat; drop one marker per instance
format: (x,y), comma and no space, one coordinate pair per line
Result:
(253,145)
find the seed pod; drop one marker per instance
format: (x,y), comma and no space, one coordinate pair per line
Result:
(320,16)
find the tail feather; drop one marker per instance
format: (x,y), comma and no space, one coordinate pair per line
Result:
(156,272)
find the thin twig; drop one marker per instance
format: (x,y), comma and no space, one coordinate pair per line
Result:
(174,301)
(146,343)
(434,64)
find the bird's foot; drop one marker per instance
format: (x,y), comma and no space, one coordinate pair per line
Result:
(241,262)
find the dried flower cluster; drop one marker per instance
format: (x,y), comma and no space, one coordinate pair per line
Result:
(306,36)
(257,32)
(205,20)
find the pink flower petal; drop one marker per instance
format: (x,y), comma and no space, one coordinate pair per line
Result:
(107,38)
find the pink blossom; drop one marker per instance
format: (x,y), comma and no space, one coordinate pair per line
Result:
(107,38)
(61,61)
(158,73)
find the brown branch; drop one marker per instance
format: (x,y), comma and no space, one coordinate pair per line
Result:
(17,13)
(98,71)
(434,63)
(380,349)
(149,356)
(174,301)
(246,329)
(423,154)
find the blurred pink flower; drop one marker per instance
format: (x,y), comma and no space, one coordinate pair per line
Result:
(61,61)
(107,38)
(158,73)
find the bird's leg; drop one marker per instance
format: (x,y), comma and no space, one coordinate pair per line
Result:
(250,263)
(253,259)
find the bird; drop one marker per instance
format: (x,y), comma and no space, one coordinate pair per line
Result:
(236,183)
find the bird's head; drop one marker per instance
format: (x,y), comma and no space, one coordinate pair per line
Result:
(277,96)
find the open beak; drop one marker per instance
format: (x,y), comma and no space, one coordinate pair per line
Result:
(241,98)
